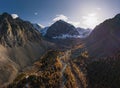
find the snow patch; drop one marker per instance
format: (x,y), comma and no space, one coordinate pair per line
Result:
(44,31)
(41,25)
(60,17)
(14,16)
(37,27)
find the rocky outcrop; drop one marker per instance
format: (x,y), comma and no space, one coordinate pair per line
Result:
(20,45)
(60,28)
(104,39)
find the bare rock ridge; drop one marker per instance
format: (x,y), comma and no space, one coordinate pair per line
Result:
(16,32)
(104,39)
(63,34)
(20,45)
(60,28)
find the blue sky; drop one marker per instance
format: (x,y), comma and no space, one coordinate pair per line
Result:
(77,12)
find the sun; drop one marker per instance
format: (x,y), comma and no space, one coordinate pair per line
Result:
(91,20)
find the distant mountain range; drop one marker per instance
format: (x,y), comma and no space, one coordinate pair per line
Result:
(62,30)
(63,34)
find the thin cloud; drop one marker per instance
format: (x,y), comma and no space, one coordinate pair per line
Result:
(60,17)
(35,13)
(65,18)
(92,14)
(90,20)
(98,8)
(76,24)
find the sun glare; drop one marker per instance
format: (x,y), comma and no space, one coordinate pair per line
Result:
(90,21)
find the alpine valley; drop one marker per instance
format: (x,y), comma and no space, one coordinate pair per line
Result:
(59,56)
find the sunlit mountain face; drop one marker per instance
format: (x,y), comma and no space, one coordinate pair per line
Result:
(60,44)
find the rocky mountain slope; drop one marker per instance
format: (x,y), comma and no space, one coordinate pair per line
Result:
(20,46)
(38,27)
(61,29)
(83,33)
(62,34)
(104,39)
(54,70)
(58,70)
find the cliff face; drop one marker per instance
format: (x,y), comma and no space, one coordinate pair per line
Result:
(20,45)
(104,39)
(60,28)
(16,32)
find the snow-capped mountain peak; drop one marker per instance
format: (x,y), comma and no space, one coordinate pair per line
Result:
(62,30)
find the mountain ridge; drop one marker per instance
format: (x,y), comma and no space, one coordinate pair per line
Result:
(21,44)
(105,38)
(12,31)
(60,28)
